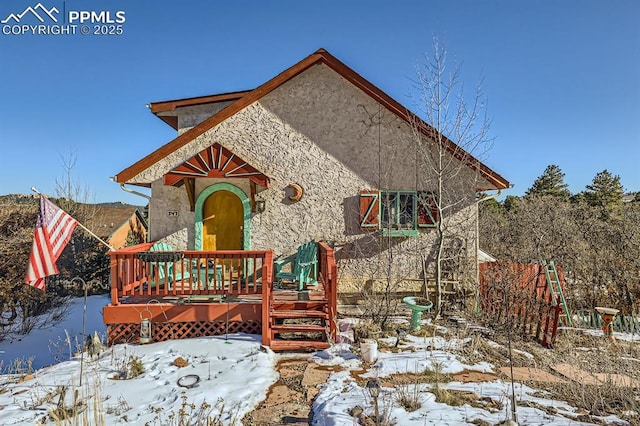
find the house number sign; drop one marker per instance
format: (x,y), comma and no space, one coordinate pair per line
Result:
(173,213)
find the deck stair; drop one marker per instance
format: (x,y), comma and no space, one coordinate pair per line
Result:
(302,317)
(555,287)
(300,324)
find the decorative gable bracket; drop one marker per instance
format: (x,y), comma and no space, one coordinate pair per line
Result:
(215,161)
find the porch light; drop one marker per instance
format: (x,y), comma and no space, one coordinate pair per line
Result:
(260,206)
(145,331)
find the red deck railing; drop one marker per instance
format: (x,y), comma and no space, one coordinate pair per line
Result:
(135,271)
(328,274)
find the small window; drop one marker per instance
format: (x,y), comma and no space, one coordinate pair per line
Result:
(398,210)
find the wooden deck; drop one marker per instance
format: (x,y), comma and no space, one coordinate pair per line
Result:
(195,293)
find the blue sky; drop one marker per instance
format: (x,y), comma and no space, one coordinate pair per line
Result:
(562,77)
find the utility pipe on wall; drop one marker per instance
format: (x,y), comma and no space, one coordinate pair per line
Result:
(481,200)
(140,194)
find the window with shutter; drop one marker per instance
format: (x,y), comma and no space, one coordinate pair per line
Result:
(397,213)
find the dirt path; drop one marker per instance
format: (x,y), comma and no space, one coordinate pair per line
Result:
(289,400)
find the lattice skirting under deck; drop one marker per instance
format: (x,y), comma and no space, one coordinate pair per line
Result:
(130,333)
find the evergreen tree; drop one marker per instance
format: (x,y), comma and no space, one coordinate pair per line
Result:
(605,191)
(511,203)
(132,239)
(550,183)
(491,205)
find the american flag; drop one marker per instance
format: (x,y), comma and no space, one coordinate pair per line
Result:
(52,233)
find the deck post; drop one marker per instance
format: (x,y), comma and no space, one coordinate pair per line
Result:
(267,282)
(114,278)
(330,271)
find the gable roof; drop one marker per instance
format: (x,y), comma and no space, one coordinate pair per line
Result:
(109,218)
(249,97)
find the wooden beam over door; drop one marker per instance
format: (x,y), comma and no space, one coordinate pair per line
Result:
(190,186)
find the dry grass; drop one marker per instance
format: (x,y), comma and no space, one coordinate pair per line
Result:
(408,389)
(408,397)
(205,414)
(18,367)
(592,354)
(599,356)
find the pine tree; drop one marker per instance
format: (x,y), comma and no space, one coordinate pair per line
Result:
(132,239)
(511,203)
(605,191)
(551,183)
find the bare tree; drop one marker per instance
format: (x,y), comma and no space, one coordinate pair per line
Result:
(84,257)
(421,220)
(448,150)
(599,253)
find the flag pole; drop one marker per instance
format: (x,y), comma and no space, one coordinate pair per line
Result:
(33,188)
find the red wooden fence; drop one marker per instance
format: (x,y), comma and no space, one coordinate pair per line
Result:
(517,295)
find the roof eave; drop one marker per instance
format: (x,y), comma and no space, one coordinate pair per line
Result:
(171,105)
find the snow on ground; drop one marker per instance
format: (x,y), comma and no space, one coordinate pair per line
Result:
(629,337)
(342,393)
(234,370)
(239,372)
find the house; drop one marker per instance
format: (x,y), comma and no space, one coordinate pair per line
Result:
(317,153)
(117,223)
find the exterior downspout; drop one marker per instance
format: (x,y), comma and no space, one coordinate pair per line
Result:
(140,194)
(481,200)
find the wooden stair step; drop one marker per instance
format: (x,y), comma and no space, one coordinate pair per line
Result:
(278,305)
(299,313)
(297,328)
(297,345)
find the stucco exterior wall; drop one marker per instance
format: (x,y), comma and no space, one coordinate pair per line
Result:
(321,132)
(170,217)
(191,116)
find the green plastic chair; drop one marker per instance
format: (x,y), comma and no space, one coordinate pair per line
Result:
(304,266)
(206,275)
(165,270)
